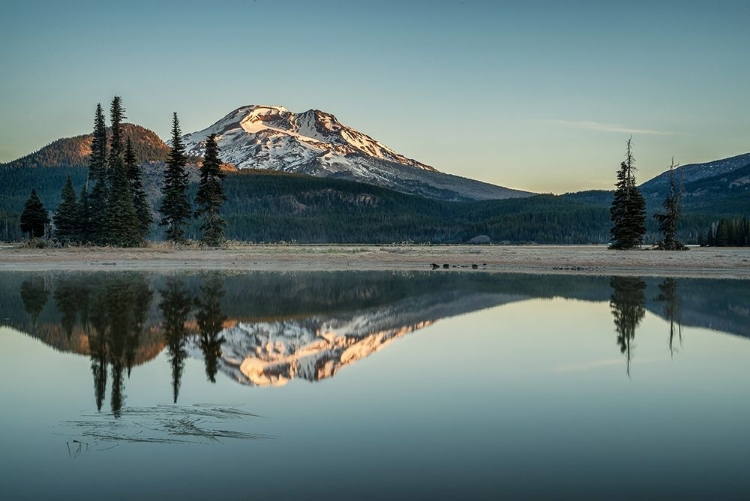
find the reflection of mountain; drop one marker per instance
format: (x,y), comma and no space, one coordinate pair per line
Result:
(315,347)
(267,328)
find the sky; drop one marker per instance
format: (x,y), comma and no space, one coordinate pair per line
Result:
(536,95)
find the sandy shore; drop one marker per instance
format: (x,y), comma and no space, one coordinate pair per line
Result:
(697,262)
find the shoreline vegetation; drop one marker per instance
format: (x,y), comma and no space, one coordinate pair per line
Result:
(709,262)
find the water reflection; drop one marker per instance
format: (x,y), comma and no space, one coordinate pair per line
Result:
(34,294)
(668,295)
(175,307)
(266,329)
(627,303)
(111,310)
(210,319)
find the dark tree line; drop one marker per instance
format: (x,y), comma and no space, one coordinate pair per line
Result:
(113,208)
(727,233)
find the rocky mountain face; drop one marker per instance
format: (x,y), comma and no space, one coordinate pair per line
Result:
(317,144)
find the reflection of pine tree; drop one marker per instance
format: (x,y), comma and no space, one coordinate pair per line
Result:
(668,294)
(175,307)
(627,305)
(128,297)
(119,313)
(141,304)
(112,310)
(34,295)
(210,321)
(99,351)
(67,304)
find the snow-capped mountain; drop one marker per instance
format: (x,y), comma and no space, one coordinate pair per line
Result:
(316,143)
(272,353)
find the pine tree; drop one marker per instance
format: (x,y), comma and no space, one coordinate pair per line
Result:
(116,116)
(710,239)
(722,234)
(211,196)
(66,217)
(123,228)
(175,207)
(83,219)
(671,215)
(34,218)
(628,211)
(732,233)
(97,229)
(140,200)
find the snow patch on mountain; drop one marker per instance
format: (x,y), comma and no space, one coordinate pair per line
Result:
(316,143)
(272,353)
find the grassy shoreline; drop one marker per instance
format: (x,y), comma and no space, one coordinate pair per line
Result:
(591,259)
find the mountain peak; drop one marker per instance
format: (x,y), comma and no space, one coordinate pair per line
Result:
(74,151)
(316,143)
(282,140)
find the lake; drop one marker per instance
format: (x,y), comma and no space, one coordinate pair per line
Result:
(373,385)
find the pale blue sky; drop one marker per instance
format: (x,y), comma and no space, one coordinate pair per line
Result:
(537,95)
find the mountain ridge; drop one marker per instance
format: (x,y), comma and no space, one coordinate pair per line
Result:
(691,173)
(315,143)
(74,151)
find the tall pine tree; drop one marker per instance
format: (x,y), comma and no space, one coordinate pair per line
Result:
(628,211)
(140,200)
(83,221)
(122,220)
(34,218)
(210,196)
(175,207)
(97,228)
(116,146)
(67,215)
(123,227)
(672,210)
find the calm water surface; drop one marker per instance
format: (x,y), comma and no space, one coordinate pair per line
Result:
(349,385)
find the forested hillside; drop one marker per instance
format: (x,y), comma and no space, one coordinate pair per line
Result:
(74,151)
(272,207)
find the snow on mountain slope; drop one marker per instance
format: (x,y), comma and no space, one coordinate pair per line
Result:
(316,143)
(272,353)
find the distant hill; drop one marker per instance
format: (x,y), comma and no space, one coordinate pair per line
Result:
(74,151)
(688,174)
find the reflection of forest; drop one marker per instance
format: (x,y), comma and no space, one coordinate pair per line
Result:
(280,320)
